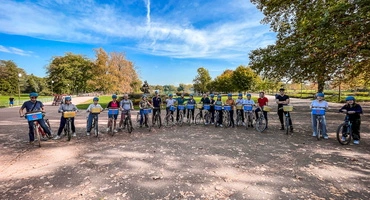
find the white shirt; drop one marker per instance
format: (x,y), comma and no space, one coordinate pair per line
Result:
(323,104)
(249,102)
(239,101)
(170,102)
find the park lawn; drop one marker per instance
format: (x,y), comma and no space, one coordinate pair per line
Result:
(4,99)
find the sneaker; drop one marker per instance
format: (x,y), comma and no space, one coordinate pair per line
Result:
(212,123)
(243,123)
(74,134)
(87,133)
(356,141)
(206,123)
(57,137)
(343,139)
(221,125)
(107,129)
(252,125)
(314,135)
(282,128)
(115,130)
(326,137)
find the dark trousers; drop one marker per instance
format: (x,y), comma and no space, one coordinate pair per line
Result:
(232,117)
(212,111)
(63,123)
(356,129)
(192,113)
(281,114)
(178,112)
(220,114)
(31,134)
(155,110)
(264,114)
(168,110)
(241,113)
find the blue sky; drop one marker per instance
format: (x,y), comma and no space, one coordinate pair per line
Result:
(168,40)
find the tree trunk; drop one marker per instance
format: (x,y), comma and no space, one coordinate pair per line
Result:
(320,85)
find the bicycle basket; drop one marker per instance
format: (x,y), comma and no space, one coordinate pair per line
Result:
(288,108)
(113,112)
(172,108)
(34,116)
(239,107)
(199,106)
(69,114)
(227,108)
(316,111)
(181,107)
(147,111)
(218,107)
(95,110)
(190,106)
(248,108)
(266,108)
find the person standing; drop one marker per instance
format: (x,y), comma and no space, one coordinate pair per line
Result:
(262,101)
(11,101)
(282,100)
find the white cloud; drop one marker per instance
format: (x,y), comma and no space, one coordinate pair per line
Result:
(13,50)
(231,29)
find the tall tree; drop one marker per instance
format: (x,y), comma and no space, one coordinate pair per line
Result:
(243,78)
(224,82)
(202,80)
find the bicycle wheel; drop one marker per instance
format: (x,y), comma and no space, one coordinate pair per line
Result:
(169,120)
(261,124)
(247,120)
(216,118)
(344,134)
(226,119)
(129,125)
(181,118)
(37,133)
(111,129)
(238,118)
(147,122)
(199,119)
(188,120)
(48,125)
(96,130)
(158,120)
(318,129)
(287,125)
(68,129)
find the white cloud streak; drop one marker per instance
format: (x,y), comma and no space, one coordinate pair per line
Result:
(13,50)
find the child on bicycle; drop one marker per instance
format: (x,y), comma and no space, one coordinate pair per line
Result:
(91,115)
(144,104)
(218,102)
(191,101)
(170,102)
(353,110)
(262,101)
(157,101)
(212,108)
(319,103)
(67,106)
(34,105)
(240,102)
(180,101)
(114,104)
(282,99)
(249,102)
(230,101)
(125,106)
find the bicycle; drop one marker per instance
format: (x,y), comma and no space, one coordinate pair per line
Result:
(181,109)
(111,121)
(199,118)
(261,123)
(68,115)
(169,119)
(226,116)
(248,111)
(320,115)
(239,114)
(190,108)
(218,110)
(344,131)
(126,122)
(33,117)
(157,117)
(95,112)
(287,109)
(146,119)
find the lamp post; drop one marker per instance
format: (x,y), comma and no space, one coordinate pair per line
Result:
(52,84)
(19,88)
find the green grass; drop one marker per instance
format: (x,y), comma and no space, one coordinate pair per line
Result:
(4,99)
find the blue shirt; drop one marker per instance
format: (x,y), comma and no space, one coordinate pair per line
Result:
(29,105)
(157,101)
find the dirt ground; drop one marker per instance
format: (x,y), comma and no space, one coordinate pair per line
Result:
(188,162)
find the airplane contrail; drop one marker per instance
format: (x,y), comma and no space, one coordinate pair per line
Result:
(148,12)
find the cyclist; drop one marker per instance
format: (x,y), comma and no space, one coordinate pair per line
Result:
(157,101)
(262,101)
(143,104)
(191,101)
(34,105)
(218,102)
(249,102)
(115,105)
(125,106)
(91,116)
(283,99)
(67,106)
(353,110)
(169,102)
(240,101)
(320,103)
(212,108)
(230,101)
(180,101)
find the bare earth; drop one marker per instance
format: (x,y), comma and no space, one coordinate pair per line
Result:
(193,162)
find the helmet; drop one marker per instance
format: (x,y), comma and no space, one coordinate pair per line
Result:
(218,96)
(282,89)
(191,95)
(170,95)
(350,98)
(144,96)
(248,95)
(229,95)
(34,94)
(240,94)
(114,96)
(320,94)
(156,92)
(95,99)
(67,98)
(212,95)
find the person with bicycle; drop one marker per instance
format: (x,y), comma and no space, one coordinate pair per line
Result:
(170,102)
(212,108)
(354,111)
(282,99)
(125,106)
(114,104)
(34,105)
(191,101)
(319,103)
(250,102)
(262,101)
(144,104)
(91,115)
(66,107)
(218,102)
(157,102)
(230,101)
(239,102)
(180,102)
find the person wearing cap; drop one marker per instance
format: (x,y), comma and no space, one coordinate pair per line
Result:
(30,106)
(68,106)
(218,102)
(144,104)
(125,106)
(114,104)
(205,100)
(212,108)
(354,111)
(239,102)
(231,102)
(191,101)
(249,101)
(282,99)
(262,101)
(157,101)
(319,103)
(180,101)
(91,115)
(170,102)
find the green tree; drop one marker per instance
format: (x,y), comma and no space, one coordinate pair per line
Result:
(243,78)
(9,79)
(224,82)
(202,80)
